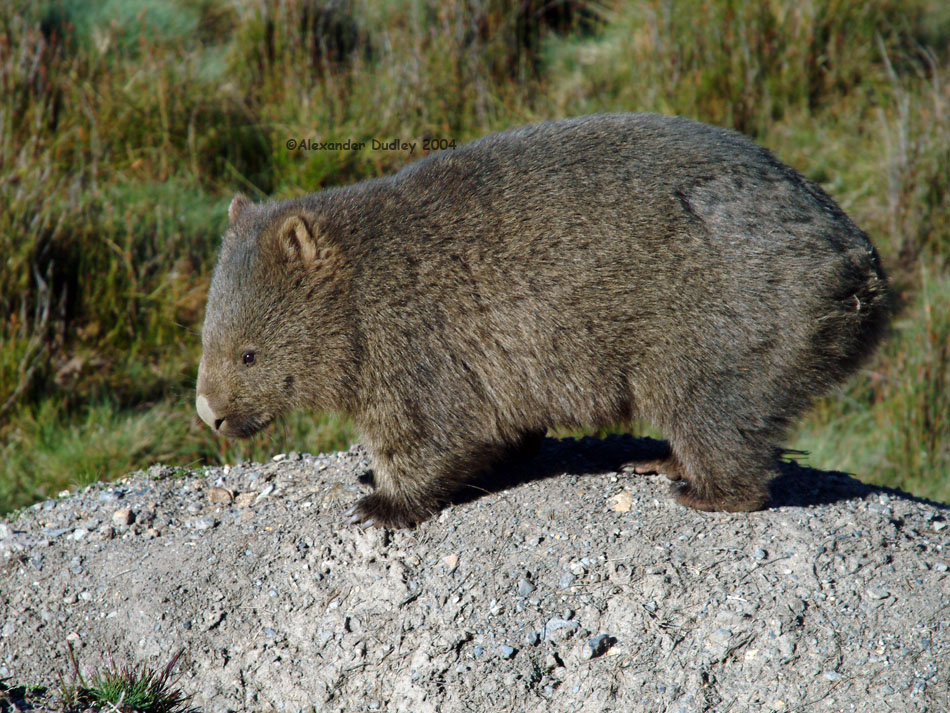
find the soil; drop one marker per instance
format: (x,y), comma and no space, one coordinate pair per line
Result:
(566,584)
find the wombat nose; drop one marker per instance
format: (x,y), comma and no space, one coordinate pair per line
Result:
(207,413)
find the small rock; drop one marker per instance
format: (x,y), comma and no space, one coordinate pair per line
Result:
(451,562)
(220,495)
(559,628)
(878,593)
(5,531)
(621,502)
(941,566)
(264,493)
(759,553)
(204,523)
(505,651)
(533,638)
(595,646)
(123,516)
(245,499)
(525,587)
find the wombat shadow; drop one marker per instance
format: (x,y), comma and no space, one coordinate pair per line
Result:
(796,485)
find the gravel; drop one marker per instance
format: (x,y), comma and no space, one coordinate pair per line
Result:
(571,585)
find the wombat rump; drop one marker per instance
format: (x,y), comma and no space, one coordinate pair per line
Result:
(574,273)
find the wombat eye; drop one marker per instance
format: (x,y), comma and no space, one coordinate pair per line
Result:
(249,358)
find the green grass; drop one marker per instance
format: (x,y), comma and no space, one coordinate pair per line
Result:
(125,128)
(125,689)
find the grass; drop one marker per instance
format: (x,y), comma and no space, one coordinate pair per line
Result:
(125,128)
(123,689)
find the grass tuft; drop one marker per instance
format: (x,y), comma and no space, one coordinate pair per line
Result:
(126,690)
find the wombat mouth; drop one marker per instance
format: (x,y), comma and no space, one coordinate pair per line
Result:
(244,426)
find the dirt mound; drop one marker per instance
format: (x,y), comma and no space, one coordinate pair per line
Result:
(581,588)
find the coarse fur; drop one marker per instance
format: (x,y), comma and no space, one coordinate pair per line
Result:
(574,273)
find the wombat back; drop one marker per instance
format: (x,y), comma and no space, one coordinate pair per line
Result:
(579,272)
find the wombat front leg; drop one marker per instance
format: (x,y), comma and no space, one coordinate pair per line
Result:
(380,510)
(414,480)
(412,483)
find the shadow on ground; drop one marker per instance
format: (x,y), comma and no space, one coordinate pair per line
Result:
(796,485)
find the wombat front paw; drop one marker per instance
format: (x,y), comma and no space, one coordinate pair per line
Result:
(379,511)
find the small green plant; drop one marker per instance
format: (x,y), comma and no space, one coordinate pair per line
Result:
(122,688)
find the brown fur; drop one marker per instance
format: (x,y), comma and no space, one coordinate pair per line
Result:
(574,273)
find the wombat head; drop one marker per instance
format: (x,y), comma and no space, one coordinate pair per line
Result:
(276,333)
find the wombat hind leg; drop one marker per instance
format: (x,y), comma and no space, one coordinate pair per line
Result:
(665,464)
(718,482)
(753,496)
(378,510)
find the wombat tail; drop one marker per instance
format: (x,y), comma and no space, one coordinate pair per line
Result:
(863,305)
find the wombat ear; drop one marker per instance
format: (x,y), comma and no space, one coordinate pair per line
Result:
(296,240)
(238,204)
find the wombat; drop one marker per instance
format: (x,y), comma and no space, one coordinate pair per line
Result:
(574,273)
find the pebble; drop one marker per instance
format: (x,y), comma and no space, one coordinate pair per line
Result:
(110,496)
(506,652)
(878,593)
(264,493)
(123,516)
(760,554)
(5,531)
(525,587)
(451,562)
(559,628)
(245,499)
(220,495)
(595,646)
(204,523)
(78,534)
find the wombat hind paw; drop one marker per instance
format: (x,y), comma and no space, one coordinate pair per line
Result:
(378,511)
(670,467)
(750,499)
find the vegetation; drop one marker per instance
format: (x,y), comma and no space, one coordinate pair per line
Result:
(125,690)
(126,127)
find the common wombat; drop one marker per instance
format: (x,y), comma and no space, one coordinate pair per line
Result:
(575,273)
